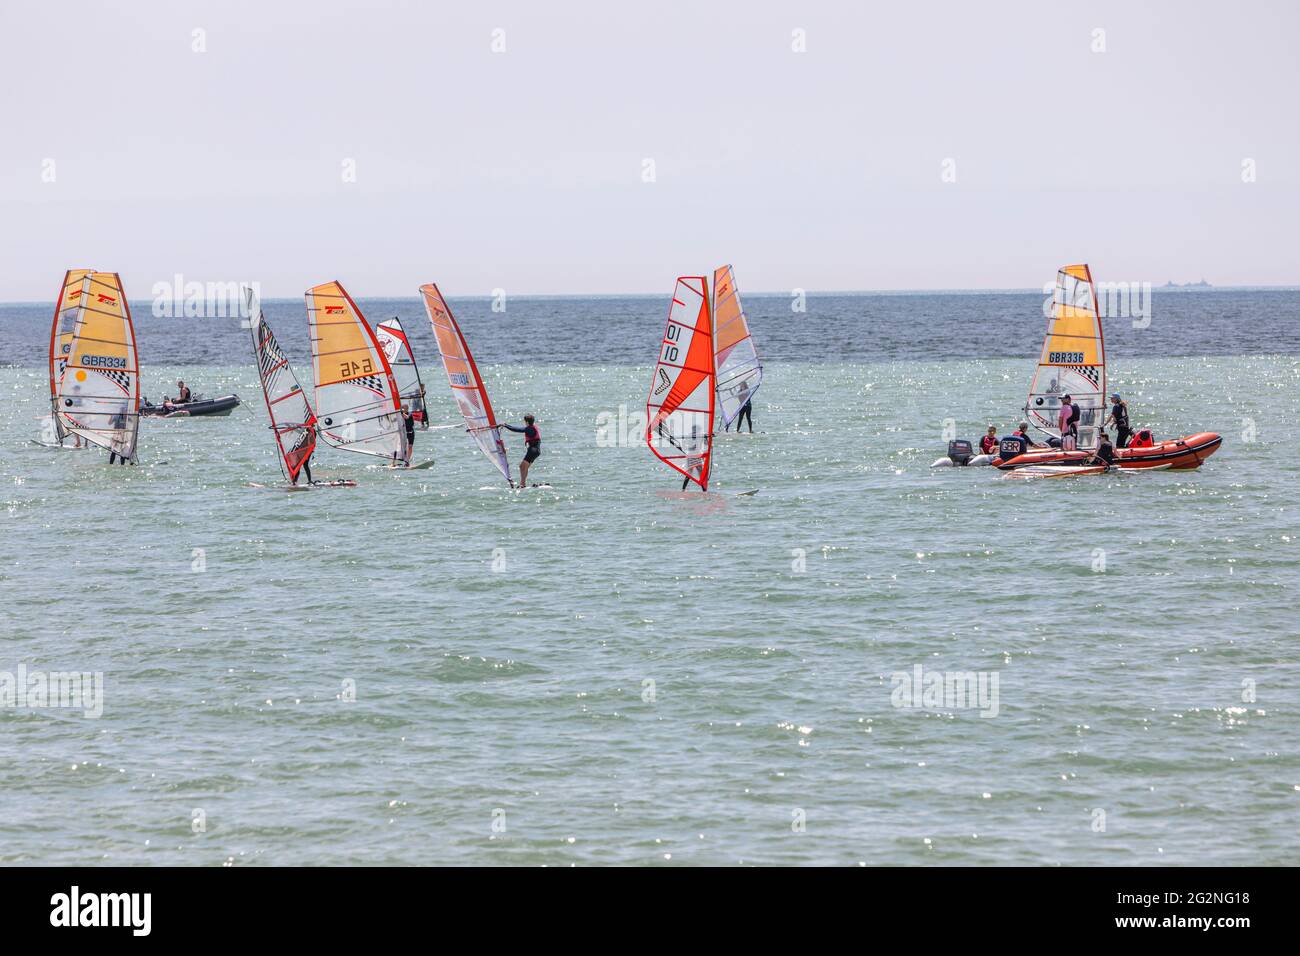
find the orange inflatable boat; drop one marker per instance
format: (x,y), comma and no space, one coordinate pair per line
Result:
(1178,454)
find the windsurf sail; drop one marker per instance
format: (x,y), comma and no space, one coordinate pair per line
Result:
(397,349)
(292,420)
(465,381)
(66,310)
(98,391)
(734,356)
(1073,361)
(679,411)
(358,407)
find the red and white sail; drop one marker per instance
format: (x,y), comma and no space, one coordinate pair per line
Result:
(292,420)
(680,408)
(466,383)
(396,346)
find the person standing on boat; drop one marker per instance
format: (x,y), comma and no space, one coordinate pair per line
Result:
(533,444)
(1068,423)
(1119,416)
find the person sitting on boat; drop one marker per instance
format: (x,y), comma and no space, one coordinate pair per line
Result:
(1105,453)
(1017,443)
(1119,416)
(1068,423)
(1142,439)
(183,395)
(989,443)
(533,442)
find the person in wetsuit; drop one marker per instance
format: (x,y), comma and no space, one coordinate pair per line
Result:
(746,412)
(533,444)
(1119,416)
(1105,453)
(409,421)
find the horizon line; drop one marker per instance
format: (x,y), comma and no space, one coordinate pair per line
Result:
(1027,290)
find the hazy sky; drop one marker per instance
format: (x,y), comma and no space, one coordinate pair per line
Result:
(524,169)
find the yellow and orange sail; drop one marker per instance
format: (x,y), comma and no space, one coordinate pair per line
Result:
(1073,360)
(94,366)
(358,406)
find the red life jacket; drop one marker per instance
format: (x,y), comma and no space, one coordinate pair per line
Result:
(988,444)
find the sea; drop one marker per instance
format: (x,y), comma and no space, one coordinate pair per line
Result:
(868,661)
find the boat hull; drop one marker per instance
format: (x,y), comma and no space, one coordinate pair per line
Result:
(222,405)
(1179,454)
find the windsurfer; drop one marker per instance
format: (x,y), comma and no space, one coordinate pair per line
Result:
(533,443)
(746,413)
(409,421)
(1119,416)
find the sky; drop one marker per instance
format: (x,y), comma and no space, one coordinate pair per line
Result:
(591,147)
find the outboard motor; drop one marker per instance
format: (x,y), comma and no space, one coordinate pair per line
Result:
(960,451)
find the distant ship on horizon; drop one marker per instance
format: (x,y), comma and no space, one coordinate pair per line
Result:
(1190,285)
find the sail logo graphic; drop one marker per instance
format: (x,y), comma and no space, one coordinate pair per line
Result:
(664,382)
(458,378)
(333,310)
(106,299)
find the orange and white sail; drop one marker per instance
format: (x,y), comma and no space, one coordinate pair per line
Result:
(734,356)
(97,394)
(680,408)
(65,319)
(358,405)
(466,383)
(292,420)
(1073,361)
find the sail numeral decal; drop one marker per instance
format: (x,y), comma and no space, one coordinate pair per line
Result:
(1065,358)
(353,369)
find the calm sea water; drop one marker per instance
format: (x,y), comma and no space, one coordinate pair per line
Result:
(608,672)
